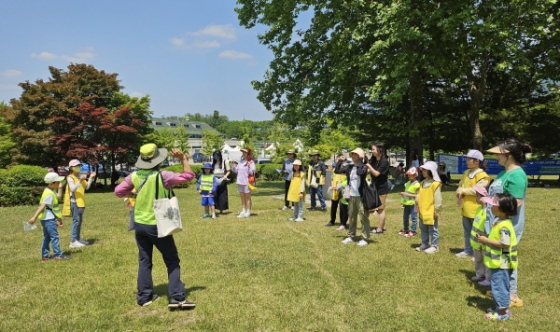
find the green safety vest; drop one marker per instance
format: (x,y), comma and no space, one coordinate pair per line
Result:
(144,206)
(410,188)
(493,255)
(206,182)
(55,207)
(478,227)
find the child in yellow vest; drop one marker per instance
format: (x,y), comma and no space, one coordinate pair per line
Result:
(296,192)
(408,199)
(207,186)
(50,215)
(74,201)
(429,206)
(482,273)
(500,254)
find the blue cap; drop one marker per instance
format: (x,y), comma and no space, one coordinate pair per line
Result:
(207,165)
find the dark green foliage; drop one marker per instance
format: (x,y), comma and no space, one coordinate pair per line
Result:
(269,172)
(12,196)
(24,176)
(178,168)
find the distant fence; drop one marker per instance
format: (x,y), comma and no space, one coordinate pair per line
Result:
(458,165)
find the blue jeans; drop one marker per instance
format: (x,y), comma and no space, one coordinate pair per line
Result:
(409,212)
(298,209)
(319,192)
(146,239)
(500,287)
(467,227)
(429,231)
(77,218)
(50,235)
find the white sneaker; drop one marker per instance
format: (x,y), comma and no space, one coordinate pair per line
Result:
(347,240)
(431,250)
(77,244)
(362,243)
(284,208)
(241,215)
(292,207)
(421,248)
(463,254)
(84,242)
(299,220)
(291,219)
(246,215)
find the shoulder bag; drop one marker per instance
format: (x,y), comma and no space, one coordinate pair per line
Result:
(166,211)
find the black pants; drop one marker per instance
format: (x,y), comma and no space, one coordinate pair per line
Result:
(343,212)
(286,189)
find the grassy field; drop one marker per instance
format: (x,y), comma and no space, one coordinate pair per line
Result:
(268,274)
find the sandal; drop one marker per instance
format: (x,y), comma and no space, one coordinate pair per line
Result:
(378,232)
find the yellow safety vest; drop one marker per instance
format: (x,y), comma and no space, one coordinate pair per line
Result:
(318,175)
(470,205)
(79,195)
(493,255)
(427,203)
(410,188)
(295,187)
(337,179)
(206,182)
(55,207)
(478,227)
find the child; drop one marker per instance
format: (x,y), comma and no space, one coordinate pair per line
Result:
(500,254)
(429,206)
(482,273)
(74,201)
(408,198)
(50,215)
(206,186)
(296,192)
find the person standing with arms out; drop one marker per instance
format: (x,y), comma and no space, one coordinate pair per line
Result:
(50,216)
(244,169)
(287,171)
(500,254)
(206,186)
(296,192)
(429,205)
(221,172)
(513,180)
(466,195)
(316,179)
(408,199)
(356,176)
(144,182)
(378,167)
(338,183)
(74,198)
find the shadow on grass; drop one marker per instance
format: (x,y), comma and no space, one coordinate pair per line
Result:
(480,302)
(164,289)
(455,250)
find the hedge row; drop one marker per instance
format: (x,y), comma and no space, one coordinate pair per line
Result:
(21,185)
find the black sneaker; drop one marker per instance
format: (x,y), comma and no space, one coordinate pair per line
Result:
(329,224)
(174,304)
(324,209)
(152,300)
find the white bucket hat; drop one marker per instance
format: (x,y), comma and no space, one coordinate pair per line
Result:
(432,166)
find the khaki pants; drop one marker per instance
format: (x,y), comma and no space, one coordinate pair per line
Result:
(479,267)
(355,208)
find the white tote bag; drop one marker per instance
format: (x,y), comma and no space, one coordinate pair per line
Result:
(166,210)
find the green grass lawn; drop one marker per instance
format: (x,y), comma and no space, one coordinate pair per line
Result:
(265,273)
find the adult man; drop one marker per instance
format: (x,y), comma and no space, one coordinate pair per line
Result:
(316,179)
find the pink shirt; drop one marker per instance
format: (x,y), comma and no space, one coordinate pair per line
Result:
(243,171)
(169,180)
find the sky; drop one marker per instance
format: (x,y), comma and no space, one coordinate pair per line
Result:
(189,56)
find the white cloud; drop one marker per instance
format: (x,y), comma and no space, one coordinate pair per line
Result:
(230,54)
(11,73)
(78,57)
(222,31)
(182,43)
(179,42)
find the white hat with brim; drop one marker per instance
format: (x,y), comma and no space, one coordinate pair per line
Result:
(497,149)
(150,156)
(432,166)
(475,154)
(53,177)
(359,152)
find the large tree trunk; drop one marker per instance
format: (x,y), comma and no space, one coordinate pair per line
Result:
(417,115)
(477,88)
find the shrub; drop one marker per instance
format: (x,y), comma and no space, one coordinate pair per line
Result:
(269,172)
(3,176)
(12,196)
(25,176)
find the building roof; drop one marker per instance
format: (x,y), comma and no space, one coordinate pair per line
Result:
(194,128)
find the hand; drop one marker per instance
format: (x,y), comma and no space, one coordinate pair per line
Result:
(83,177)
(481,238)
(92,175)
(300,195)
(436,215)
(178,154)
(61,185)
(32,220)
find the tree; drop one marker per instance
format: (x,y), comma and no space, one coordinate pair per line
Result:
(211,141)
(6,141)
(31,115)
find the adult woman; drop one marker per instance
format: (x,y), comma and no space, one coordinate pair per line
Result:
(244,169)
(466,195)
(512,180)
(338,181)
(356,176)
(444,173)
(144,182)
(378,167)
(221,172)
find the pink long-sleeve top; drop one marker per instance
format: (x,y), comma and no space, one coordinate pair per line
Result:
(170,179)
(243,170)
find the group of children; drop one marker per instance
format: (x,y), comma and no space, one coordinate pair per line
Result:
(495,253)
